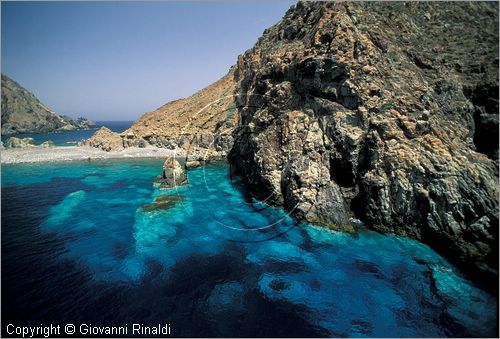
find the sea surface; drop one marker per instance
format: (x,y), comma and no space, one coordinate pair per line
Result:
(85,243)
(71,138)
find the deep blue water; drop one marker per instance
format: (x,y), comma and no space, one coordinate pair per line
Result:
(78,248)
(71,138)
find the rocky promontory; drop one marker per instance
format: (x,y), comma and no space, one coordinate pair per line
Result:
(386,112)
(22,112)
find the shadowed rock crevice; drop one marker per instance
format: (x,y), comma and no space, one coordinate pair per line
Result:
(484,97)
(341,172)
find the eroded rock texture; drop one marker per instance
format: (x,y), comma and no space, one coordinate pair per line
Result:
(387,112)
(172,174)
(104,139)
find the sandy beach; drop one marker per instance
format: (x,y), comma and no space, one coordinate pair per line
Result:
(80,153)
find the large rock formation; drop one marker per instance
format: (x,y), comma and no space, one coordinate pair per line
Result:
(172,174)
(22,112)
(104,139)
(387,112)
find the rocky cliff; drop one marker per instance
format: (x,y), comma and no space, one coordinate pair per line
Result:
(22,112)
(384,112)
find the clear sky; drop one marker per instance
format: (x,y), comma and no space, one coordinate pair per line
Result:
(117,60)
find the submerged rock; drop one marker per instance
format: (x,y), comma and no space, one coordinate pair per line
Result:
(14,142)
(172,174)
(162,202)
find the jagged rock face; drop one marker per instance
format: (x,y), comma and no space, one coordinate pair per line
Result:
(172,174)
(387,112)
(22,112)
(105,139)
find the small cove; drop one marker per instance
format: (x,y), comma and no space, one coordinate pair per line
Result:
(80,246)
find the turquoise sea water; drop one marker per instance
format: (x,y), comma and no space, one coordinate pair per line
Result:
(71,138)
(78,247)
